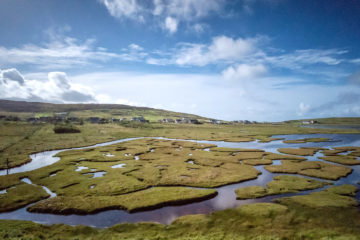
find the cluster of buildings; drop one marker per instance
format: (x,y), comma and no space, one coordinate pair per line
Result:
(245,122)
(180,120)
(309,122)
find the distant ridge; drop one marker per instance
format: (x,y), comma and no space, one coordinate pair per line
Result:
(23,106)
(41,107)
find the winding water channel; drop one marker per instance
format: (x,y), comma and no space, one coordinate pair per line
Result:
(226,197)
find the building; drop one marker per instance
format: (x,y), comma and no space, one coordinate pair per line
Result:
(94,119)
(46,119)
(139,119)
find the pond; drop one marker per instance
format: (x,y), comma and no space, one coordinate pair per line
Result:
(226,197)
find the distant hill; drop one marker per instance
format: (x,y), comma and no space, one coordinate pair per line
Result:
(84,110)
(333,120)
(22,106)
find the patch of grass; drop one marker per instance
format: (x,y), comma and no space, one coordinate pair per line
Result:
(275,156)
(256,162)
(159,163)
(306,140)
(312,169)
(346,160)
(304,151)
(27,138)
(339,196)
(279,185)
(66,129)
(251,221)
(142,200)
(20,196)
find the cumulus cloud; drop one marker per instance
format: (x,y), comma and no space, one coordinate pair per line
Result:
(169,12)
(222,48)
(56,88)
(124,8)
(244,72)
(12,74)
(171,24)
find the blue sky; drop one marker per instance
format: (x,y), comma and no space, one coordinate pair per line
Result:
(265,60)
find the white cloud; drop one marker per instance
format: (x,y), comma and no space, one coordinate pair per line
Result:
(169,12)
(222,48)
(303,109)
(124,8)
(56,88)
(12,74)
(244,72)
(299,58)
(61,52)
(135,47)
(171,24)
(192,9)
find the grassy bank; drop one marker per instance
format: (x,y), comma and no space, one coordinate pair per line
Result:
(333,219)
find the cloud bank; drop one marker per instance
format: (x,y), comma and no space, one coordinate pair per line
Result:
(56,88)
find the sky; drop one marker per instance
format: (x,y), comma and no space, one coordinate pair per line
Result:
(263,60)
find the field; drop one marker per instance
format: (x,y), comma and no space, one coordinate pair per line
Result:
(149,173)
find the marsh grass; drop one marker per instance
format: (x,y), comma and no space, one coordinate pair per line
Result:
(289,220)
(279,185)
(312,169)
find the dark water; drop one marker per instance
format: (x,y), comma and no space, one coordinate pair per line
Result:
(226,197)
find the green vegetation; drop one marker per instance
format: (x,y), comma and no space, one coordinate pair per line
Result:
(346,160)
(159,163)
(306,140)
(304,151)
(279,185)
(150,173)
(19,139)
(66,129)
(332,121)
(336,218)
(312,169)
(141,200)
(20,196)
(349,159)
(339,196)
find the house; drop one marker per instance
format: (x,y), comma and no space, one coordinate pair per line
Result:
(46,119)
(168,120)
(103,121)
(214,121)
(114,120)
(247,122)
(32,120)
(60,116)
(186,120)
(178,120)
(139,119)
(93,119)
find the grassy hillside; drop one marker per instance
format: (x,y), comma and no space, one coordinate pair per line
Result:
(334,120)
(39,109)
